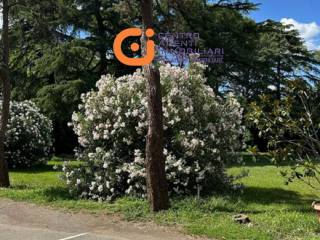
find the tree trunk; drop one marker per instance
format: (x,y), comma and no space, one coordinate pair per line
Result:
(157,188)
(279,80)
(4,174)
(102,34)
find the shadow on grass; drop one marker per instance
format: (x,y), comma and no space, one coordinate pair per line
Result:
(317,230)
(249,160)
(20,187)
(57,193)
(258,161)
(271,196)
(276,199)
(36,169)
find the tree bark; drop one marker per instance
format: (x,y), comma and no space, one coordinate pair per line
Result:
(279,80)
(102,34)
(157,188)
(4,75)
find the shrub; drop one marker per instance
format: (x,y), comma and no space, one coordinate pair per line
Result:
(28,140)
(200,131)
(292,127)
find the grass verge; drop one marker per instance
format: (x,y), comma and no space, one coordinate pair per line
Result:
(276,210)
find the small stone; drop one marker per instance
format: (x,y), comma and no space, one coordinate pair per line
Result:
(241,219)
(316,205)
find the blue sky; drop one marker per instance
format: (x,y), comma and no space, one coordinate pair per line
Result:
(303,14)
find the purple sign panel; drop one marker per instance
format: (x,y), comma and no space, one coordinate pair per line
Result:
(177,47)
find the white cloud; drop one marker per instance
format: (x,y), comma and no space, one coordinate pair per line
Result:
(310,32)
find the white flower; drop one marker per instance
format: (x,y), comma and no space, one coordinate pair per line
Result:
(100,188)
(31,131)
(105,165)
(165,151)
(99,150)
(201,129)
(272,88)
(135,113)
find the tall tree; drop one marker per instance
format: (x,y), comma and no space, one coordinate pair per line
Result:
(59,50)
(283,57)
(5,78)
(157,188)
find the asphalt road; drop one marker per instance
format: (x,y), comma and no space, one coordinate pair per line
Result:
(10,232)
(23,221)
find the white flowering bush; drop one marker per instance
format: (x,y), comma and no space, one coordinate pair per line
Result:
(29,139)
(201,131)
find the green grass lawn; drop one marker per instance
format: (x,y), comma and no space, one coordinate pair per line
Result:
(277,211)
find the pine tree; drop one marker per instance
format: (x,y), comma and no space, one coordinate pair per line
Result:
(5,78)
(157,188)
